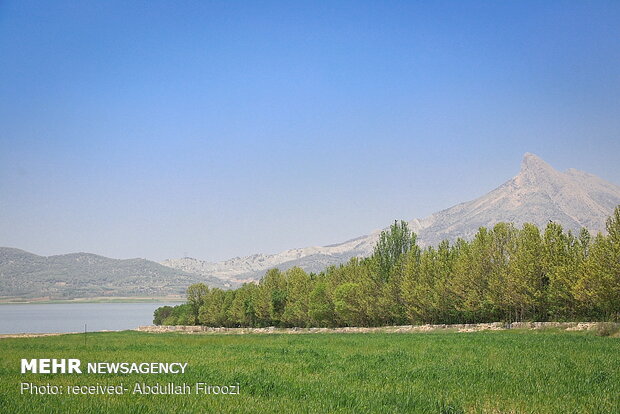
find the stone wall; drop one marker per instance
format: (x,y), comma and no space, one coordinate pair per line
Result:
(467,327)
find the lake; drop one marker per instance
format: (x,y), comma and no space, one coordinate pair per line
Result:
(71,317)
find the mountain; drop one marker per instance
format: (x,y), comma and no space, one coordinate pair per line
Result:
(250,268)
(536,195)
(83,275)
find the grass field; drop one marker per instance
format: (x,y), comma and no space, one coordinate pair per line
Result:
(484,372)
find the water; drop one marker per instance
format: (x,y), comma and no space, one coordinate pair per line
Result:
(71,317)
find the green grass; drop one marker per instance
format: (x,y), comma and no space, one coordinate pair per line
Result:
(494,372)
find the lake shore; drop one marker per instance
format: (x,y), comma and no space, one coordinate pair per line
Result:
(33,335)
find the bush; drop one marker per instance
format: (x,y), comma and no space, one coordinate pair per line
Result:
(161,314)
(607,329)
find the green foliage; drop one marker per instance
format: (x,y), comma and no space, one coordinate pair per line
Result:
(174,315)
(243,307)
(161,314)
(216,309)
(348,303)
(271,299)
(392,245)
(196,297)
(298,289)
(526,280)
(503,274)
(608,329)
(321,307)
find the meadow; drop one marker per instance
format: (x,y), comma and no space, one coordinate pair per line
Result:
(514,371)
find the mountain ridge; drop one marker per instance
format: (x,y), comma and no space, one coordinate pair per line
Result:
(537,194)
(82,275)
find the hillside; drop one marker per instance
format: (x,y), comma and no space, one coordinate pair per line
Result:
(83,275)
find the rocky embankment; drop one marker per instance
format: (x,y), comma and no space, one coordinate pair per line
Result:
(467,327)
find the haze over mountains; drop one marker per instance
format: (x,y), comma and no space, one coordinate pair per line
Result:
(537,194)
(81,275)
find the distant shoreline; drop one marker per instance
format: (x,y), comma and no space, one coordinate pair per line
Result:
(39,334)
(102,299)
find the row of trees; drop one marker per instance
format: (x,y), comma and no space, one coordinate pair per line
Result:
(504,273)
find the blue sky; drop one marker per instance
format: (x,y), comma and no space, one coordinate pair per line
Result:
(218,129)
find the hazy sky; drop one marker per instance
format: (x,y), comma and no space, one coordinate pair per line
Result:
(217,129)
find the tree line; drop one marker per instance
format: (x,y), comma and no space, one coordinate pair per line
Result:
(502,274)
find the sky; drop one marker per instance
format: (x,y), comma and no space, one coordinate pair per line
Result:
(162,129)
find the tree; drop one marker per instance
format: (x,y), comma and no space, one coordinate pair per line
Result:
(180,315)
(215,311)
(161,314)
(393,302)
(242,310)
(271,299)
(392,245)
(412,290)
(348,303)
(559,270)
(470,283)
(320,306)
(417,285)
(298,288)
(197,295)
(612,225)
(525,284)
(599,286)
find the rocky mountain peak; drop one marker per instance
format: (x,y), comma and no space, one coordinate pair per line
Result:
(532,164)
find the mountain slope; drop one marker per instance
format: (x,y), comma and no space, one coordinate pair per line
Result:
(536,195)
(82,275)
(311,259)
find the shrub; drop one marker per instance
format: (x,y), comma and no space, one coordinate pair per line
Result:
(607,329)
